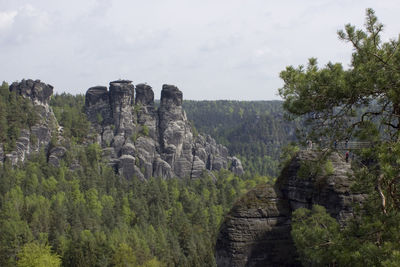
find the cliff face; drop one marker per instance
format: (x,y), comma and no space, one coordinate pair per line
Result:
(39,135)
(138,139)
(256,232)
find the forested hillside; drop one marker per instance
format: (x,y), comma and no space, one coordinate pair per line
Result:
(254,130)
(83,213)
(93,217)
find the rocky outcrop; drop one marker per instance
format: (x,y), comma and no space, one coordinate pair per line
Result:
(236,166)
(256,231)
(37,91)
(331,190)
(140,140)
(39,135)
(137,139)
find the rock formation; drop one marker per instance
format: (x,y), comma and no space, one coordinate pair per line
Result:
(140,140)
(256,231)
(39,135)
(137,139)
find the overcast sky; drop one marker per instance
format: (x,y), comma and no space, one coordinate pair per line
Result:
(210,49)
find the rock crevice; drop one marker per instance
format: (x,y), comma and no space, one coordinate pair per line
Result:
(136,138)
(160,140)
(256,232)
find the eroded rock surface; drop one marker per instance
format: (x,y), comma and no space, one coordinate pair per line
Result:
(256,231)
(159,142)
(39,135)
(136,138)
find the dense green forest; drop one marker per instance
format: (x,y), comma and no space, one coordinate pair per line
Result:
(83,214)
(255,131)
(69,111)
(92,217)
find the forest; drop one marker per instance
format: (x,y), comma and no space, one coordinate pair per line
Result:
(81,213)
(255,131)
(90,216)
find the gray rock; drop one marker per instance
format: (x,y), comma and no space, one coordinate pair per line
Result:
(171,96)
(236,166)
(1,153)
(23,144)
(96,94)
(128,149)
(126,166)
(256,232)
(161,140)
(162,169)
(39,135)
(331,191)
(145,167)
(97,105)
(144,95)
(139,174)
(108,154)
(198,167)
(107,136)
(12,158)
(56,154)
(42,133)
(121,101)
(118,142)
(183,167)
(35,90)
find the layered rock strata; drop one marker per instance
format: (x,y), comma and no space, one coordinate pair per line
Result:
(140,140)
(256,231)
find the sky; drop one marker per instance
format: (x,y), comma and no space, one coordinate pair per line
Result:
(210,49)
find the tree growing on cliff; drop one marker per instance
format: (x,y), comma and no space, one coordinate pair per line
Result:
(360,102)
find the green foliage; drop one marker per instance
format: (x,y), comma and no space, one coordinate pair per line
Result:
(99,118)
(328,167)
(16,113)
(37,255)
(338,102)
(316,170)
(92,217)
(124,256)
(69,111)
(255,131)
(287,154)
(371,240)
(315,234)
(145,130)
(360,102)
(134,137)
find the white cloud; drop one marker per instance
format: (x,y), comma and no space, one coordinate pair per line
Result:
(21,25)
(7,19)
(211,49)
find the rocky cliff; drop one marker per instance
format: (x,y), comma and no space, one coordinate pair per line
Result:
(39,135)
(140,140)
(256,232)
(136,138)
